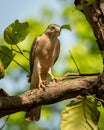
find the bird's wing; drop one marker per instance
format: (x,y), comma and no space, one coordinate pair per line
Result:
(34,114)
(32,53)
(57,51)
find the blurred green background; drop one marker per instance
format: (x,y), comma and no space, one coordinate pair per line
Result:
(80,41)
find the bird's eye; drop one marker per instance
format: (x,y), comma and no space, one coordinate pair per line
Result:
(52,28)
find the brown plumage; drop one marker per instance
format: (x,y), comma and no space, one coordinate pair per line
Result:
(44,53)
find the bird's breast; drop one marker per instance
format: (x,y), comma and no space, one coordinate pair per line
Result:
(45,51)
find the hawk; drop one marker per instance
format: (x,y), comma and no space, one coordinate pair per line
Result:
(44,53)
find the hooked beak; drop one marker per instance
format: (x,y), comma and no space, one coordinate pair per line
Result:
(58,30)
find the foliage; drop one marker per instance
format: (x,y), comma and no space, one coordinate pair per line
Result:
(85,50)
(16,32)
(83,110)
(81,113)
(101,119)
(13,34)
(6,56)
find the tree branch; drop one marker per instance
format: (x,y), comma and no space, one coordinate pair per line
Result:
(53,93)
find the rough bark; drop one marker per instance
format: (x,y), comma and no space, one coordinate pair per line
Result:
(94,13)
(62,90)
(53,93)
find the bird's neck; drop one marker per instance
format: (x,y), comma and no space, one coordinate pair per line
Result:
(51,36)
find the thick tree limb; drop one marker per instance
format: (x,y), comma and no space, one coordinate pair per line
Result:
(94,13)
(53,93)
(95,16)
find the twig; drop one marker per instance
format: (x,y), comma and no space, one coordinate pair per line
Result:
(21,52)
(20,65)
(77,75)
(15,61)
(74,62)
(15,50)
(17,46)
(6,121)
(101,100)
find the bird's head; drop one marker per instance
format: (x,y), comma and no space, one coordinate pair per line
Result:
(53,30)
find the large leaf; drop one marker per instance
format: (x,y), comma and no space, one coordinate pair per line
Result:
(81,114)
(6,56)
(16,32)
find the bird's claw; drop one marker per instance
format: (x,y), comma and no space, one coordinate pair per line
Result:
(42,84)
(55,79)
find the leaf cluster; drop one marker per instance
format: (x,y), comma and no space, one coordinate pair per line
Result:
(13,34)
(81,113)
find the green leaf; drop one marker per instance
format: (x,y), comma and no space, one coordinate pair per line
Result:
(80,114)
(2,72)
(66,26)
(6,56)
(16,32)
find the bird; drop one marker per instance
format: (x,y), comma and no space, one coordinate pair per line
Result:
(44,53)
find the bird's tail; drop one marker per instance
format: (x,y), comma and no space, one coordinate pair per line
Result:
(34,114)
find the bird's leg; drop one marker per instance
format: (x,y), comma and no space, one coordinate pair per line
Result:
(54,79)
(41,82)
